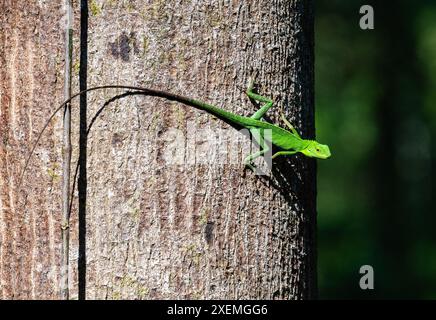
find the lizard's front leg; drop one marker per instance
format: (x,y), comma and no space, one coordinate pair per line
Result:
(290,126)
(283,153)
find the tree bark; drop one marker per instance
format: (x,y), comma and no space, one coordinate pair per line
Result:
(149,228)
(31,83)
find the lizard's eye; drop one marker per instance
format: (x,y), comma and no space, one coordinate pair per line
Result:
(317,149)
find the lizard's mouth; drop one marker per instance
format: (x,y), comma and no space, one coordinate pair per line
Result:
(324,156)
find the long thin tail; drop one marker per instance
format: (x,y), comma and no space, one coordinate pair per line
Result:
(146,91)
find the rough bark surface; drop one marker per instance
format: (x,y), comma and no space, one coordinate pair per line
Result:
(201,229)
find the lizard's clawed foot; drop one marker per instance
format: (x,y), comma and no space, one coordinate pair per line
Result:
(249,166)
(252,79)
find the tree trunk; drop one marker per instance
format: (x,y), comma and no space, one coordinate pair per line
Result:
(151,228)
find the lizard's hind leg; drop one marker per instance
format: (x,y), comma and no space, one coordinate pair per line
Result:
(265,148)
(249,159)
(288,124)
(268,102)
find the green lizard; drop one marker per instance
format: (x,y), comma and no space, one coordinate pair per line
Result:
(289,142)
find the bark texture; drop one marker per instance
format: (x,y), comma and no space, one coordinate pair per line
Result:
(31,83)
(154,229)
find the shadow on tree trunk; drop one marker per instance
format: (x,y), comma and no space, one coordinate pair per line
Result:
(82,184)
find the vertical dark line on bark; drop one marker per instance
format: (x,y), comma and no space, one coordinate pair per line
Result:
(82,183)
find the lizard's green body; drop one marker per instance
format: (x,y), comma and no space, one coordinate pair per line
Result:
(289,142)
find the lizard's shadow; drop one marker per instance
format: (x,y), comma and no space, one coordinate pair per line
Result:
(97,114)
(288,175)
(283,174)
(81,173)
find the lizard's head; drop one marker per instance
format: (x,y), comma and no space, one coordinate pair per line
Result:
(317,150)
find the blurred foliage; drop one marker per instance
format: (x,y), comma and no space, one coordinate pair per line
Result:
(375,102)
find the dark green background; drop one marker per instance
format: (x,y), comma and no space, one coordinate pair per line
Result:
(375,107)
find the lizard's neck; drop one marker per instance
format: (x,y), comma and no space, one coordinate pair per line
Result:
(305,143)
